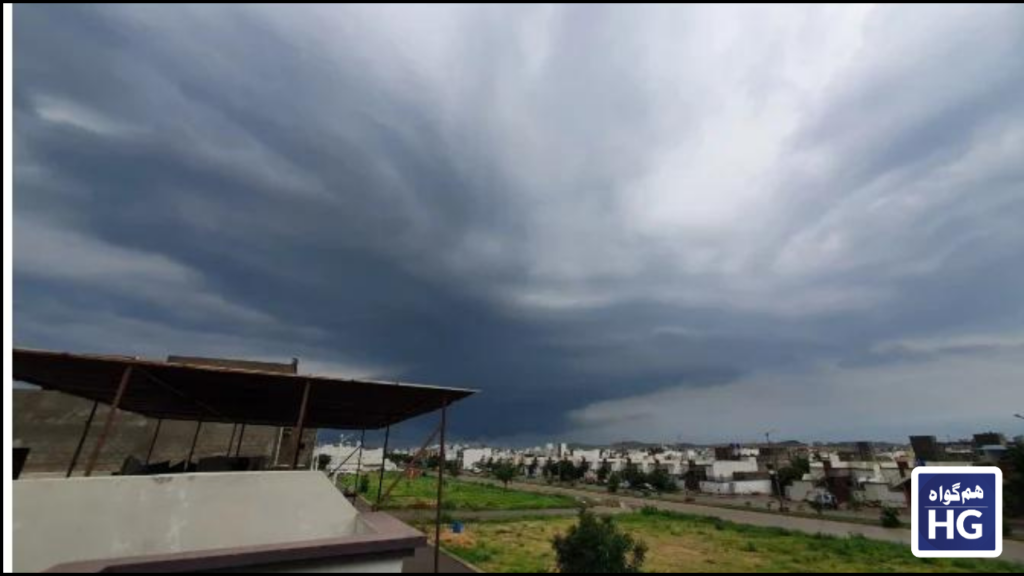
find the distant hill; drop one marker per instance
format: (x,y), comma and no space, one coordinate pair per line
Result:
(634,445)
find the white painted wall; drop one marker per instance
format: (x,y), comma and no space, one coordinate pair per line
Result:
(737,488)
(800,490)
(79,519)
(744,487)
(880,492)
(723,470)
(590,456)
(473,456)
(371,459)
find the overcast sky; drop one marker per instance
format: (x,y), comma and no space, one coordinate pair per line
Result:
(651,223)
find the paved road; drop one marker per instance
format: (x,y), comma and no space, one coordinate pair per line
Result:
(1012,550)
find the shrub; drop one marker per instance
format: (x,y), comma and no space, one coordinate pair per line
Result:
(661,481)
(505,472)
(651,511)
(890,518)
(323,462)
(596,546)
(364,484)
(614,481)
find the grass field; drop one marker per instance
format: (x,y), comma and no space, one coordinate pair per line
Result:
(421,493)
(681,543)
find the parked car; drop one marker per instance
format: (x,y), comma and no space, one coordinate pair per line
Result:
(646,490)
(825,500)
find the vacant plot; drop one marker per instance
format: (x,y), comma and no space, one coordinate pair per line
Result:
(421,493)
(681,543)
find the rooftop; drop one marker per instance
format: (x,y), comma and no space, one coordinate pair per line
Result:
(181,390)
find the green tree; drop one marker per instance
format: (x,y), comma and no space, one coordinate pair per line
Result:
(505,472)
(1013,492)
(633,475)
(364,484)
(597,546)
(532,468)
(432,462)
(661,481)
(566,471)
(791,473)
(453,468)
(604,471)
(400,460)
(550,471)
(614,482)
(582,469)
(323,462)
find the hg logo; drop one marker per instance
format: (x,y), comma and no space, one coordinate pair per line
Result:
(957,512)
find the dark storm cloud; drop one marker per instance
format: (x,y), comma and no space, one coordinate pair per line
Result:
(577,210)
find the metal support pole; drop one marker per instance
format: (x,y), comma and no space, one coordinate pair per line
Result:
(192,450)
(359,465)
(231,441)
(775,471)
(412,463)
(241,434)
(81,441)
(109,424)
(277,447)
(300,425)
(383,463)
(338,467)
(152,445)
(440,492)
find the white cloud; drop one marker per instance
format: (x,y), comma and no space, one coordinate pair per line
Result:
(955,395)
(61,254)
(805,183)
(65,328)
(960,342)
(61,111)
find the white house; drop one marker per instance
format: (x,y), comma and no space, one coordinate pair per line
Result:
(724,470)
(593,457)
(472,458)
(721,478)
(346,459)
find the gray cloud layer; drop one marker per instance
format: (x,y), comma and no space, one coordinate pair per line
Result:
(616,222)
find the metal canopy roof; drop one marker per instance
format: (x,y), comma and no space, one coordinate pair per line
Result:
(179,391)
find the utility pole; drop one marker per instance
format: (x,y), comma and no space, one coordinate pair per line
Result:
(775,470)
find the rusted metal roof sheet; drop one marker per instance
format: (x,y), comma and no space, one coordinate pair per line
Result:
(187,391)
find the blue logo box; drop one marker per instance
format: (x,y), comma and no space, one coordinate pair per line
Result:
(957,512)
